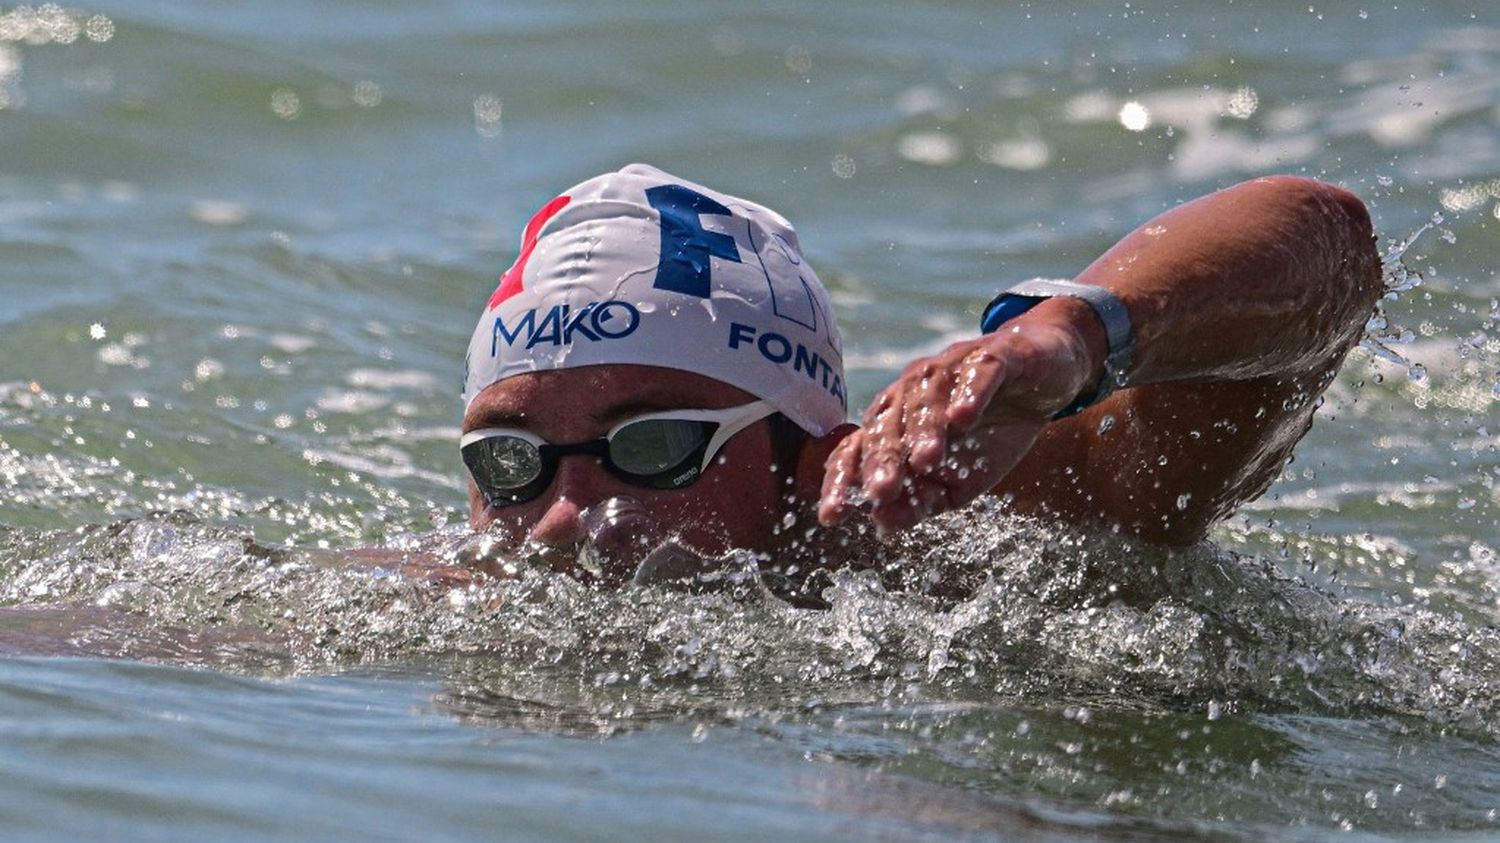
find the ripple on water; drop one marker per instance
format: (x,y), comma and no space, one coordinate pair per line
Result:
(1051,662)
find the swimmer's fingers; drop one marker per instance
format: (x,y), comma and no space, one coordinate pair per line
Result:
(906,428)
(939,436)
(1019,376)
(905,437)
(981,374)
(973,464)
(920,497)
(964,474)
(841,480)
(882,464)
(930,385)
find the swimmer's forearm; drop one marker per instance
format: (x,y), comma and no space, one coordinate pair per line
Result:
(1254,280)
(1268,278)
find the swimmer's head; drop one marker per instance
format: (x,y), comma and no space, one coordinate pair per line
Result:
(640,267)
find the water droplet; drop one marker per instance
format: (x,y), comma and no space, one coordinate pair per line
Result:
(1182,504)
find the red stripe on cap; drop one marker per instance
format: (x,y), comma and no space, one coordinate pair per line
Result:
(510,282)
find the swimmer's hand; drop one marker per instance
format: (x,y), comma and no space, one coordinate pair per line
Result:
(954,424)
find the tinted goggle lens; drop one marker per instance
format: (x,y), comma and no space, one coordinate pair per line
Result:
(503,462)
(655,446)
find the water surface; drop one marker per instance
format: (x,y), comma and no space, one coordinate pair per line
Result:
(243,248)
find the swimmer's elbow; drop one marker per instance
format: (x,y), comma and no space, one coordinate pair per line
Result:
(1358,261)
(1338,223)
(1348,213)
(1332,203)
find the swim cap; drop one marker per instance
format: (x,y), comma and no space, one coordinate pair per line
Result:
(642,267)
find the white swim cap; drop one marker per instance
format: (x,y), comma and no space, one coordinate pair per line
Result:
(642,267)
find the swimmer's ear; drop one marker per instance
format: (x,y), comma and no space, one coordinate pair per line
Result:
(814,455)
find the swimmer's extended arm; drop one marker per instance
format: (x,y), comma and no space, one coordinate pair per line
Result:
(1244,302)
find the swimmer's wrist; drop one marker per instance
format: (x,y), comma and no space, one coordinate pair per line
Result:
(1076,319)
(1092,315)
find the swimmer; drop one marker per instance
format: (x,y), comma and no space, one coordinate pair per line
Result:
(661,365)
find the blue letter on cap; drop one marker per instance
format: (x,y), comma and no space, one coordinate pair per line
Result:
(685,244)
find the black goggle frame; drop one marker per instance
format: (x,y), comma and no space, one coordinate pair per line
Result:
(479,449)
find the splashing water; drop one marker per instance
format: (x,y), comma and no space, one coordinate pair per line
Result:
(977,602)
(1398,279)
(995,653)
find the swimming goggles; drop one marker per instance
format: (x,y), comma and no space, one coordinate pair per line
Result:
(666,450)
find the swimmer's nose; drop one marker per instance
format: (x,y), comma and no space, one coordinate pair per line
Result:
(591,527)
(561,525)
(580,484)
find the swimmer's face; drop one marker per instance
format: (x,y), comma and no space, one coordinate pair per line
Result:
(737,502)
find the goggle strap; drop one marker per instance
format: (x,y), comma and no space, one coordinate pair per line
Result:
(753,413)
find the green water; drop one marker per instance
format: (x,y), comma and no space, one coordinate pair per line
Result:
(242,247)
